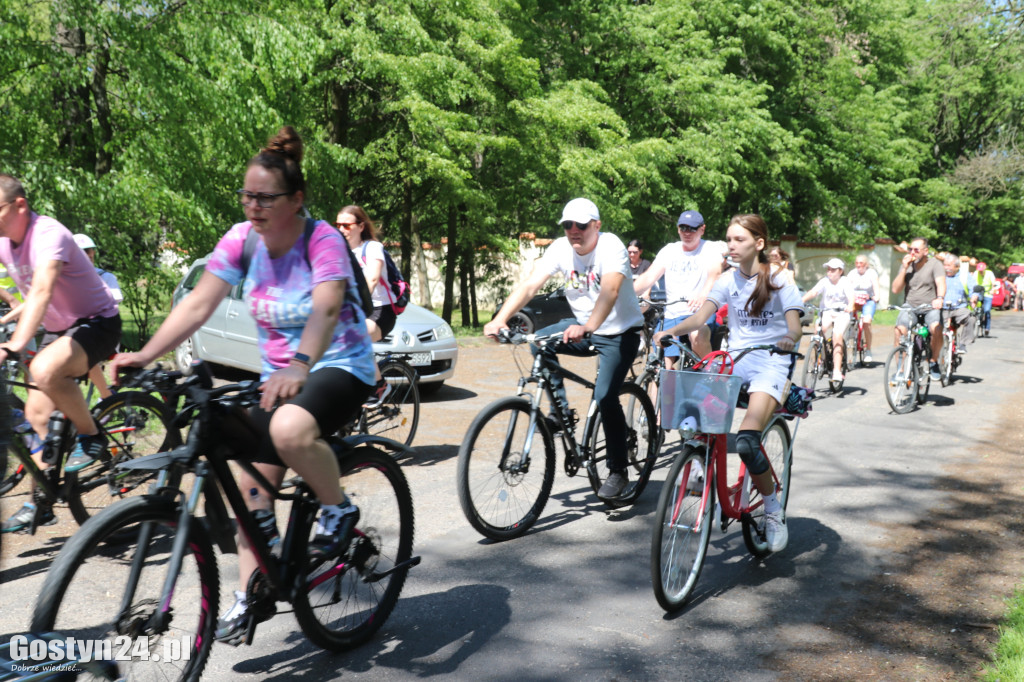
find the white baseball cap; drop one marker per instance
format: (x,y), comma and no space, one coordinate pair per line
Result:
(84,242)
(579,211)
(835,263)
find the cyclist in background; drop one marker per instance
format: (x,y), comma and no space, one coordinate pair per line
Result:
(690,267)
(958,297)
(924,279)
(983,277)
(317,357)
(865,297)
(78,313)
(597,287)
(359,230)
(836,292)
(780,259)
(763,308)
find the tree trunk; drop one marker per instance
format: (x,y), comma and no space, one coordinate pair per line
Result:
(73,100)
(422,279)
(104,157)
(472,289)
(451,262)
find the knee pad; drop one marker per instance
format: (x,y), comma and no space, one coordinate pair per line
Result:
(749,445)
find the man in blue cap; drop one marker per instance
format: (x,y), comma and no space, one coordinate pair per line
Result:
(690,267)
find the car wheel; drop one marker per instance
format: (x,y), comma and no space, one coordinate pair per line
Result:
(183,356)
(521,323)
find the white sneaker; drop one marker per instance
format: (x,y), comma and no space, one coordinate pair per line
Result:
(837,375)
(775,531)
(696,482)
(867,357)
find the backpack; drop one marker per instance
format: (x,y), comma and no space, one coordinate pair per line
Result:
(399,294)
(360,298)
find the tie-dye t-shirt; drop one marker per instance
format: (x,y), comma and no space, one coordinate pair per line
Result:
(279,292)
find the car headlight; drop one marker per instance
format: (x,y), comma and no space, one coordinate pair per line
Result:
(443,332)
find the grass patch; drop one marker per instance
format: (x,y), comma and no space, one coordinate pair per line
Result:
(1009,653)
(461,330)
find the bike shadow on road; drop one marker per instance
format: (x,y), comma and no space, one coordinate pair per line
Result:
(729,566)
(35,559)
(483,609)
(445,394)
(429,455)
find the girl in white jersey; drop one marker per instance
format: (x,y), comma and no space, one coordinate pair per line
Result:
(763,308)
(837,299)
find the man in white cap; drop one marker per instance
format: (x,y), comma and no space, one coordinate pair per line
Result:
(598,288)
(837,300)
(690,267)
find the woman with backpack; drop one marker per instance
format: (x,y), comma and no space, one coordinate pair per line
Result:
(358,229)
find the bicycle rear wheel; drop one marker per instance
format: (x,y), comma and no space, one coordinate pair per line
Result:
(398,415)
(505,470)
(341,603)
(900,381)
(138,424)
(83,592)
(812,365)
(777,445)
(642,442)
(682,529)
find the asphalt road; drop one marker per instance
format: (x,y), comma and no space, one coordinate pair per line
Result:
(572,599)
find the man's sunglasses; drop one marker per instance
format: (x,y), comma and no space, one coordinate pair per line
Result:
(687,228)
(569,224)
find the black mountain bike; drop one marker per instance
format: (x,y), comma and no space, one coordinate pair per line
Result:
(907,376)
(507,459)
(161,586)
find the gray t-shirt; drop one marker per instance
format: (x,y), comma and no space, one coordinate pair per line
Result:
(919,283)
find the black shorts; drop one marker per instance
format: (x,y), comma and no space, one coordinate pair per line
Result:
(331,395)
(98,337)
(384,317)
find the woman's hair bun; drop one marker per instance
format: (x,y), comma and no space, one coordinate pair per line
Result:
(287,143)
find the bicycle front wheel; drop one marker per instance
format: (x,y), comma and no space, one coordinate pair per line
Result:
(398,415)
(812,366)
(900,381)
(506,469)
(924,378)
(682,528)
(642,442)
(946,361)
(341,603)
(11,469)
(650,385)
(138,424)
(91,577)
(777,445)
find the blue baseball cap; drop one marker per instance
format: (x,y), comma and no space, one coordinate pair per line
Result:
(690,219)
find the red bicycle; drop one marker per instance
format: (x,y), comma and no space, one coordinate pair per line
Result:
(855,347)
(701,404)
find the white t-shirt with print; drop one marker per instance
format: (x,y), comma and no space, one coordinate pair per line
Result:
(735,289)
(583,281)
(686,272)
(838,295)
(863,282)
(366,253)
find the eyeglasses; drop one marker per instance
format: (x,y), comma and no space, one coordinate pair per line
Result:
(687,228)
(915,249)
(569,224)
(345,226)
(262,199)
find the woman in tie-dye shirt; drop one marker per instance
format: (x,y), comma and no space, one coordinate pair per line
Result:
(317,357)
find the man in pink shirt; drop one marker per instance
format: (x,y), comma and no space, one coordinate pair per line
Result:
(79,316)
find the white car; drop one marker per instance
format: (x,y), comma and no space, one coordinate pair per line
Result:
(229,337)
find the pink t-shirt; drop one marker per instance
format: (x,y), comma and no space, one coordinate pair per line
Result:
(78,292)
(279,292)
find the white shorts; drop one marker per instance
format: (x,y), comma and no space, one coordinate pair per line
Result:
(841,320)
(766,373)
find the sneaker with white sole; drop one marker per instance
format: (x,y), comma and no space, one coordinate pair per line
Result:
(775,531)
(867,356)
(380,392)
(934,371)
(334,530)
